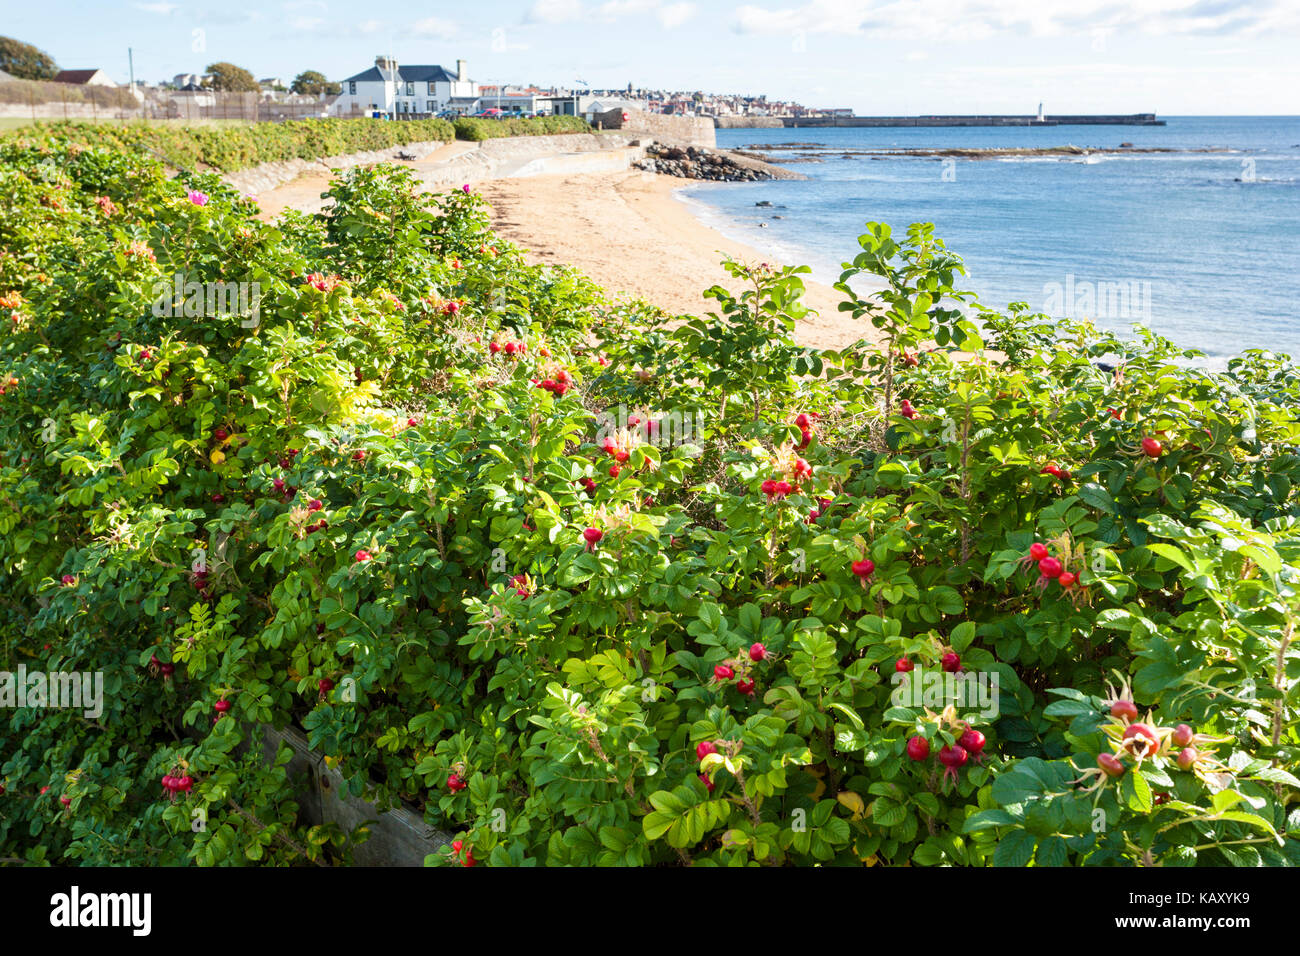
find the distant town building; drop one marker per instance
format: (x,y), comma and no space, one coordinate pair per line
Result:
(390,88)
(189,81)
(523,101)
(84,77)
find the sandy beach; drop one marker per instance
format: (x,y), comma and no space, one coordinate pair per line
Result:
(630,235)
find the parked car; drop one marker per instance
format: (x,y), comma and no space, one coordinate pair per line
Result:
(492,113)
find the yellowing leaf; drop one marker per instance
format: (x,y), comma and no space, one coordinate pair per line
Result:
(853,802)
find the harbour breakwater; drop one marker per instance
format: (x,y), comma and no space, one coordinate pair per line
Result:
(772,122)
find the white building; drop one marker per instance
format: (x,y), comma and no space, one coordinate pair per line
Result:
(594,107)
(189,81)
(396,90)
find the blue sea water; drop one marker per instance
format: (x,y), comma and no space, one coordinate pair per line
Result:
(1202,247)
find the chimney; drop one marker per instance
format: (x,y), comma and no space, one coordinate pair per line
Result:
(462,71)
(386,63)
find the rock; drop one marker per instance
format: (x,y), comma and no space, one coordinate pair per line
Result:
(765,202)
(695,162)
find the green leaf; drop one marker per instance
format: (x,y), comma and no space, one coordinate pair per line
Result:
(1015,849)
(987,819)
(1098,497)
(1051,852)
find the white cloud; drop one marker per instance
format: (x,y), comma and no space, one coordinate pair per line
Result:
(675,14)
(434,27)
(974,19)
(307,24)
(564,11)
(162,9)
(613,9)
(555,11)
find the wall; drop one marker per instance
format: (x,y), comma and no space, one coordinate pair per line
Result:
(748,122)
(683,130)
(269,175)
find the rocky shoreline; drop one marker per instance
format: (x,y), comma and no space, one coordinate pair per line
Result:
(694,162)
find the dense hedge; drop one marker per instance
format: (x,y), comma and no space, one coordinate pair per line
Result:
(477,130)
(587,586)
(229,147)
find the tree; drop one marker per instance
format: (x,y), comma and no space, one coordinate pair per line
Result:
(25,61)
(229,78)
(312,83)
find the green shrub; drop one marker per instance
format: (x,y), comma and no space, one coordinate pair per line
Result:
(229,147)
(366,511)
(477,130)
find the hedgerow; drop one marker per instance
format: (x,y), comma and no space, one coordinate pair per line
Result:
(476,130)
(587,586)
(233,147)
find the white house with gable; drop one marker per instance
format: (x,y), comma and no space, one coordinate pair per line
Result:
(395,89)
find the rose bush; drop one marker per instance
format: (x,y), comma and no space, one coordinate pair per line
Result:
(588,585)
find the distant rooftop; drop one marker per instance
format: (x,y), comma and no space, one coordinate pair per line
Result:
(74,76)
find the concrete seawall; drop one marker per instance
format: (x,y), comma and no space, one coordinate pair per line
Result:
(488,159)
(438,165)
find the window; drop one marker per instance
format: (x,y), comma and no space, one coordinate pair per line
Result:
(352,87)
(410,89)
(430,90)
(430,106)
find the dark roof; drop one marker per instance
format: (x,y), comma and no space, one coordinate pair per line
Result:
(74,76)
(411,74)
(371,74)
(427,74)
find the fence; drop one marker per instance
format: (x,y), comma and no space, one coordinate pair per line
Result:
(244,107)
(48,100)
(42,100)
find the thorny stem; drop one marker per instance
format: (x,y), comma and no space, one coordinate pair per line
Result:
(748,801)
(771,553)
(1279,683)
(965,484)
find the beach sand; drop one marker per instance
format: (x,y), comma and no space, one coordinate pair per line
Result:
(627,232)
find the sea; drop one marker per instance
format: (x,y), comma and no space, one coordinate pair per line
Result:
(1200,244)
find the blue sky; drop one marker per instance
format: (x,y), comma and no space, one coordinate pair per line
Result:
(891,57)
